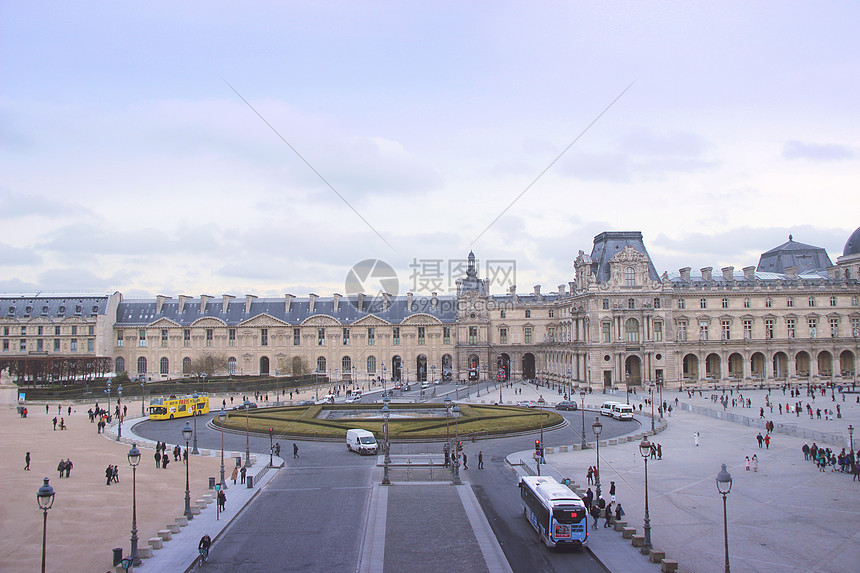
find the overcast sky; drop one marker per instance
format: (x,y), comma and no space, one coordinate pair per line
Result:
(128,163)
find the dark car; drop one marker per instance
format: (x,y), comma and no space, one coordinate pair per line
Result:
(306,403)
(251,406)
(566,405)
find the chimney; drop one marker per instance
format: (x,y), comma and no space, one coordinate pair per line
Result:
(204,300)
(685,274)
(160,302)
(486,285)
(336,301)
(361,302)
(183,298)
(791,272)
(312,299)
(537,290)
(249,298)
(561,290)
(225,302)
(749,273)
(729,273)
(706,273)
(409,301)
(571,285)
(434,302)
(513,290)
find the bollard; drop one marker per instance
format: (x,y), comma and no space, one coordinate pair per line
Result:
(117,556)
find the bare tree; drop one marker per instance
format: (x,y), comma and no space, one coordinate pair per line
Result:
(205,364)
(293,366)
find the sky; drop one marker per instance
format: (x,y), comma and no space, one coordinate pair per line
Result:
(269,147)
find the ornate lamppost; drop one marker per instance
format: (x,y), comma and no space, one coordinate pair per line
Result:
(386,459)
(456,464)
(851,437)
(142,400)
(118,403)
(247,406)
(597,427)
(134,461)
(724,486)
(651,399)
(645,451)
(582,399)
(187,433)
(194,449)
(107,391)
(45,497)
(222,416)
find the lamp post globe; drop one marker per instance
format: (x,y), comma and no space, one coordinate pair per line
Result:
(724,486)
(645,452)
(222,417)
(597,427)
(45,498)
(134,460)
(187,433)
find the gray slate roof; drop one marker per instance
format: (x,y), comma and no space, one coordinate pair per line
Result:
(794,254)
(610,243)
(24,307)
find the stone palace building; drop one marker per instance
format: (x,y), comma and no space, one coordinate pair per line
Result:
(619,323)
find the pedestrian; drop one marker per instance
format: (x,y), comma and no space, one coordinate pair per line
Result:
(696,438)
(176,452)
(62,423)
(278,449)
(295,453)
(70,411)
(55,423)
(760,439)
(185,456)
(659,452)
(243,472)
(611,492)
(165,459)
(806,452)
(607,515)
(157,456)
(595,513)
(747,463)
(61,467)
(480,460)
(115,474)
(46,410)
(589,497)
(755,463)
(222,500)
(767,442)
(235,474)
(465,458)
(590,475)
(109,474)
(619,512)
(68,466)
(27,461)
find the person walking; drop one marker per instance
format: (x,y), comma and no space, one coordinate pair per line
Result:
(242,473)
(27,461)
(589,497)
(767,442)
(222,500)
(755,463)
(595,514)
(235,474)
(109,474)
(619,512)
(68,466)
(465,458)
(607,515)
(611,492)
(747,463)
(760,439)
(696,438)
(55,423)
(157,456)
(165,459)
(278,449)
(61,467)
(480,460)
(590,475)
(295,453)
(659,452)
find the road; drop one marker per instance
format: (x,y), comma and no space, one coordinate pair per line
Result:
(311,516)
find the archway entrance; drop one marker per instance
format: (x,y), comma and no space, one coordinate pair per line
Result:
(503,367)
(757,365)
(780,365)
(736,366)
(691,367)
(528,366)
(395,369)
(447,370)
(421,367)
(264,366)
(474,368)
(712,367)
(633,371)
(846,363)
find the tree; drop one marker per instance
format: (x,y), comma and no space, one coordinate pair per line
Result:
(205,364)
(295,366)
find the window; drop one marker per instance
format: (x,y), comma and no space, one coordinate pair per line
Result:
(503,314)
(210,335)
(120,364)
(746,302)
(855,327)
(811,301)
(789,302)
(91,330)
(631,303)
(631,328)
(768,302)
(346,365)
(141,366)
(527,334)
(703,330)
(371,364)
(748,326)
(6,345)
(118,337)
(658,332)
(57,332)
(39,345)
(346,337)
(186,366)
(231,336)
(446,335)
(473,335)
(73,345)
(550,334)
(22,345)
(297,337)
(528,314)
(503,336)
(606,332)
(682,330)
(264,336)
(6,331)
(141,338)
(74,330)
(629,277)
(371,336)
(551,313)
(231,366)
(724,302)
(395,335)
(834,328)
(321,337)
(91,345)
(813,325)
(657,302)
(768,328)
(39,330)
(57,347)
(726,329)
(703,303)
(321,364)
(163,337)
(164,366)
(854,300)
(421,339)
(682,304)
(833,300)
(186,337)
(789,327)
(606,304)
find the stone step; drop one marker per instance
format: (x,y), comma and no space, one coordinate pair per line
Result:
(668,566)
(156,542)
(657,556)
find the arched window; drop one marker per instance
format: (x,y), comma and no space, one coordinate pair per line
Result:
(321,364)
(371,364)
(186,366)
(231,366)
(632,329)
(141,366)
(120,364)
(346,364)
(165,366)
(629,276)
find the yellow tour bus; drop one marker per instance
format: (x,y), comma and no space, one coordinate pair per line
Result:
(177,407)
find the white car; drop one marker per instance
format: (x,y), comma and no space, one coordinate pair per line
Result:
(354,399)
(425,385)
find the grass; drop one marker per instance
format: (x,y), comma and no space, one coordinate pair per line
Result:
(473,419)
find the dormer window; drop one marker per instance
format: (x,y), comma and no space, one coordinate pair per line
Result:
(11,310)
(44,310)
(95,309)
(78,309)
(62,309)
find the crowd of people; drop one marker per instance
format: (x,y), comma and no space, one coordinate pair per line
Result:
(844,461)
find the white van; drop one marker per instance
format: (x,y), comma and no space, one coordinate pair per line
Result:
(606,407)
(361,441)
(622,412)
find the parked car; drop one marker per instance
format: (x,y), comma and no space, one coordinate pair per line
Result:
(398,386)
(405,388)
(251,406)
(425,385)
(527,404)
(305,403)
(354,399)
(566,405)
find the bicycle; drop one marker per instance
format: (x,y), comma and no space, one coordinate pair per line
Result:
(204,555)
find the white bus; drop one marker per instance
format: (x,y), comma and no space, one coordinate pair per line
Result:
(557,514)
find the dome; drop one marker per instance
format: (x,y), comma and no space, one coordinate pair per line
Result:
(852,247)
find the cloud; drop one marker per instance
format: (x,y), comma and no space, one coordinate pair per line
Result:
(10,255)
(15,205)
(817,152)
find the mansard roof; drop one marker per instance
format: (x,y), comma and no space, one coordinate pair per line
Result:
(26,306)
(610,243)
(793,254)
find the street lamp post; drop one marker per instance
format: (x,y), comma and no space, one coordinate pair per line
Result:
(247,405)
(660,388)
(222,416)
(386,460)
(45,497)
(645,451)
(118,403)
(384,370)
(271,447)
(133,461)
(187,433)
(582,399)
(456,464)
(142,400)
(107,391)
(724,486)
(851,436)
(651,394)
(194,449)
(597,427)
